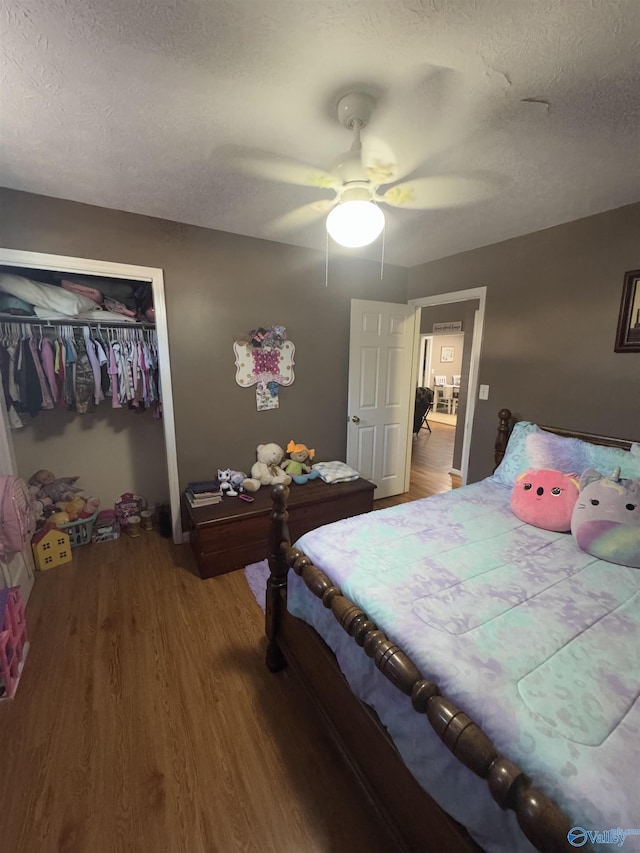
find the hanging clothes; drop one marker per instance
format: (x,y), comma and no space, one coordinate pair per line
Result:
(45,393)
(83,382)
(15,421)
(77,368)
(46,354)
(90,348)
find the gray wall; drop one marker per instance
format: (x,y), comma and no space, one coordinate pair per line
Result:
(552,309)
(218,287)
(553,299)
(112,451)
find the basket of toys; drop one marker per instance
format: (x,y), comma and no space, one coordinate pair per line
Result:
(79,531)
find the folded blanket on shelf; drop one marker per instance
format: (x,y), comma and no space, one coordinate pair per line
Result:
(46,296)
(90,292)
(335,472)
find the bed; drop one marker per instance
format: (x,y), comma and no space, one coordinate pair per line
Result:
(533,717)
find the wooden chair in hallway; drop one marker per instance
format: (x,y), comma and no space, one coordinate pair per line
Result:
(423,405)
(443,395)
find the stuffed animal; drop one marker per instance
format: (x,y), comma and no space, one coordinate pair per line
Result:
(296,465)
(267,471)
(231,482)
(545,498)
(92,505)
(74,507)
(61,489)
(606,518)
(42,506)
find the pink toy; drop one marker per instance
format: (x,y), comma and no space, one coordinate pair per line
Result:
(127,505)
(545,499)
(13,639)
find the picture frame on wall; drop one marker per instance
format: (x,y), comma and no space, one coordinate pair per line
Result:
(628,334)
(447,353)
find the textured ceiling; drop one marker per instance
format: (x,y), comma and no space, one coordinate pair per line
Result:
(135,105)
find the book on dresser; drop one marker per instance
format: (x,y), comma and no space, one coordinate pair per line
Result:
(203,492)
(209,487)
(199,500)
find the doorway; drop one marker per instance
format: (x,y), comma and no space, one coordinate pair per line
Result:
(154,276)
(471,305)
(442,374)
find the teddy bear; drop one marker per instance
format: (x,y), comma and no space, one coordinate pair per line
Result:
(267,471)
(296,465)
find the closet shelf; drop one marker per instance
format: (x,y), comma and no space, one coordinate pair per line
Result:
(72,321)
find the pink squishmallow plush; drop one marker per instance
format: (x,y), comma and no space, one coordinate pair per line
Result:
(545,498)
(606,518)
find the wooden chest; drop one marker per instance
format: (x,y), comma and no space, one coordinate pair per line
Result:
(231,534)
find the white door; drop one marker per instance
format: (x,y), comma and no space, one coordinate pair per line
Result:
(381,379)
(424,365)
(18,571)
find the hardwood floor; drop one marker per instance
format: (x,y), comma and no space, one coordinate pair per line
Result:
(431,462)
(146,720)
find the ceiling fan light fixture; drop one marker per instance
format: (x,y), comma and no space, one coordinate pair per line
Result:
(355,223)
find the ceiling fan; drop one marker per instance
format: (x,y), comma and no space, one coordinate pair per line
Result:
(355,217)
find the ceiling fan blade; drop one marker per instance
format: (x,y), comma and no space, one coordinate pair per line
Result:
(435,192)
(378,161)
(430,104)
(301,216)
(273,167)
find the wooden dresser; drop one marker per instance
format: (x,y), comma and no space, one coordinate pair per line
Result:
(231,534)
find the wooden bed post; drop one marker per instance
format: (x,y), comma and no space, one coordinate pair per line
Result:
(277,583)
(504,429)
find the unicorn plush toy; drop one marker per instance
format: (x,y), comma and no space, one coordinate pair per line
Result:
(606,518)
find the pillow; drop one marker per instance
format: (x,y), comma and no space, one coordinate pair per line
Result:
(90,292)
(45,295)
(606,518)
(545,498)
(13,305)
(532,447)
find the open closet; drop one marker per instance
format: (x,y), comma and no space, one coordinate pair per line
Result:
(86,377)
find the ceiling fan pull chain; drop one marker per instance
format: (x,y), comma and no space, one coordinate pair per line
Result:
(384,231)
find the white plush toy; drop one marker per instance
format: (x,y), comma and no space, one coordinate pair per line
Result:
(267,471)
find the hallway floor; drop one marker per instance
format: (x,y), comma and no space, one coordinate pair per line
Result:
(431,462)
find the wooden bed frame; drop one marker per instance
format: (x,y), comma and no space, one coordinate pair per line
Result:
(416,821)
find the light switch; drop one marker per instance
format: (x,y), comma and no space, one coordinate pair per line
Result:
(484,392)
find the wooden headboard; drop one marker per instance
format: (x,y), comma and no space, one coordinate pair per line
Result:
(507,422)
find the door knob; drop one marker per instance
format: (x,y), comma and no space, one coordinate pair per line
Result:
(355,419)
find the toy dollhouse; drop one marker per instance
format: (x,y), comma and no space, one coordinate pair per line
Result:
(51,547)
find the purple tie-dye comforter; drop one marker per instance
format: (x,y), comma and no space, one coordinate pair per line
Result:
(537,641)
